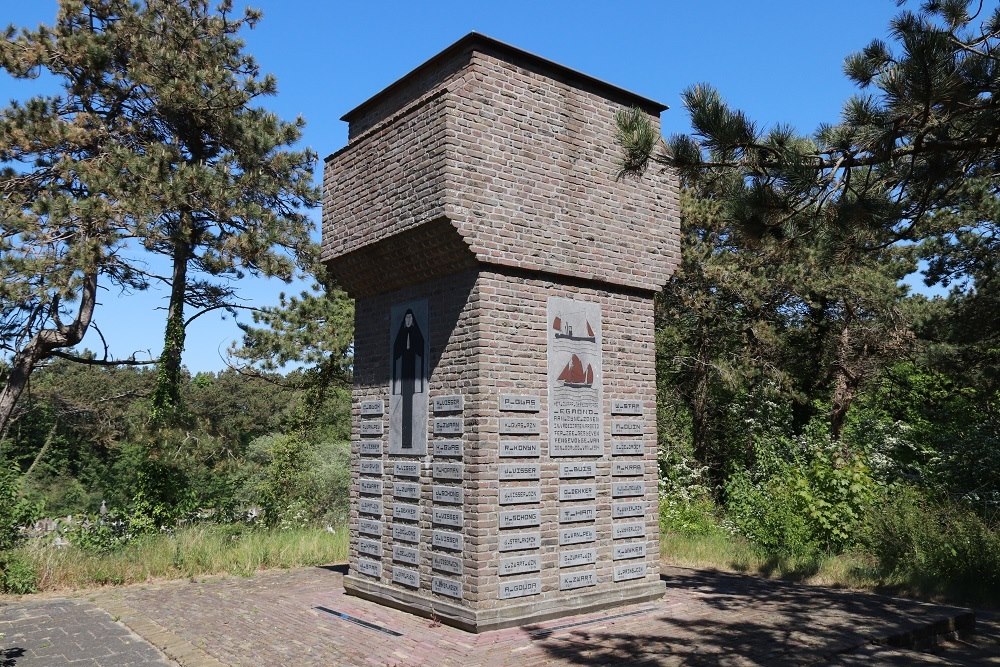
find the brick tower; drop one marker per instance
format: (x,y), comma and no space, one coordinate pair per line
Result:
(504,441)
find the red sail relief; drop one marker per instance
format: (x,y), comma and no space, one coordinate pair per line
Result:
(574,375)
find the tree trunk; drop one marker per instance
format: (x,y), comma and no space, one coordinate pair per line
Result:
(166,395)
(42,345)
(845,382)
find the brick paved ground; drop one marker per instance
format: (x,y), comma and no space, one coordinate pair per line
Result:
(272,619)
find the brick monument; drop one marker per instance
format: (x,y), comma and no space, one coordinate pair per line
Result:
(504,456)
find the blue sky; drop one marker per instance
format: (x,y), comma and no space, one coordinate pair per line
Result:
(778,60)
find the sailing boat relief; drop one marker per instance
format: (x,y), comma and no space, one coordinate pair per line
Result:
(574,375)
(565,330)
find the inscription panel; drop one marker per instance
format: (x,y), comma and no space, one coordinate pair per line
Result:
(372,408)
(404,554)
(455,403)
(571,580)
(519,588)
(520,565)
(447,540)
(406,469)
(448,470)
(449,426)
(446,563)
(630,427)
(577,513)
(575,377)
(519,426)
(370,467)
(454,495)
(627,468)
(409,490)
(627,448)
(448,587)
(519,495)
(370,547)
(628,551)
(406,577)
(369,568)
(370,527)
(631,407)
(627,489)
(372,487)
(577,469)
(621,510)
(580,535)
(520,541)
(520,518)
(577,491)
(370,447)
(405,533)
(623,530)
(370,506)
(577,557)
(406,511)
(626,572)
(448,448)
(447,516)
(517,403)
(520,449)
(511,471)
(371,427)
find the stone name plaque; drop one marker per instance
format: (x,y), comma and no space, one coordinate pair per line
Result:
(509,471)
(571,580)
(449,494)
(448,448)
(627,468)
(626,572)
(579,469)
(370,527)
(370,506)
(372,487)
(370,448)
(580,535)
(406,469)
(519,495)
(578,557)
(520,518)
(406,511)
(449,426)
(575,377)
(519,426)
(369,568)
(443,539)
(454,403)
(519,588)
(404,554)
(448,471)
(627,448)
(409,490)
(619,427)
(447,516)
(627,551)
(372,408)
(577,491)
(370,467)
(625,530)
(446,563)
(370,547)
(515,403)
(520,565)
(626,489)
(578,513)
(405,533)
(406,577)
(520,541)
(370,428)
(621,510)
(448,587)
(626,407)
(520,448)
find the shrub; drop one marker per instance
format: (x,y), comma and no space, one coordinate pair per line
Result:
(17,574)
(770,512)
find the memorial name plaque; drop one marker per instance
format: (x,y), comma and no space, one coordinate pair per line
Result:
(510,471)
(627,428)
(447,540)
(403,554)
(626,551)
(448,587)
(370,568)
(578,557)
(519,589)
(627,448)
(370,506)
(446,563)
(579,513)
(409,490)
(449,403)
(449,426)
(583,469)
(371,467)
(626,468)
(575,378)
(448,470)
(572,580)
(372,408)
(370,447)
(514,403)
(626,407)
(449,494)
(520,565)
(372,487)
(576,432)
(623,530)
(520,518)
(370,547)
(447,516)
(520,541)
(371,428)
(406,577)
(518,426)
(448,448)
(626,489)
(626,572)
(620,510)
(520,448)
(406,511)
(519,495)
(577,491)
(405,533)
(406,469)
(577,535)
(370,527)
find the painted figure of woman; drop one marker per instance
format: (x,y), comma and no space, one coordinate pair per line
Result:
(408,371)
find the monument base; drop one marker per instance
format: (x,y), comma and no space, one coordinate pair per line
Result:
(483,620)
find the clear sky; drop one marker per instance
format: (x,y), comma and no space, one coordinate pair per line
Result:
(778,60)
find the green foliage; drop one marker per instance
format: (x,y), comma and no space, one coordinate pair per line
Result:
(17,574)
(15,511)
